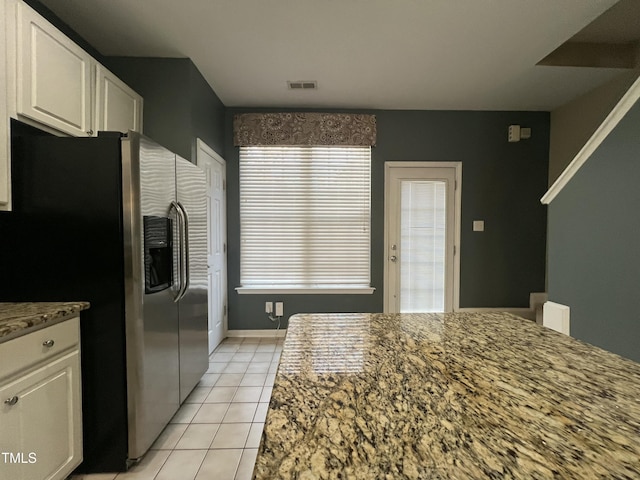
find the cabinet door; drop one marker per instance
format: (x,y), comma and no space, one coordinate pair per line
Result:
(40,415)
(54,76)
(4,114)
(118,107)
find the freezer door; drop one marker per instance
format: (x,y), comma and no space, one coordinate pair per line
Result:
(151,319)
(193,306)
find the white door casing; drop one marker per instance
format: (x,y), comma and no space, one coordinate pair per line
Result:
(215,168)
(447,175)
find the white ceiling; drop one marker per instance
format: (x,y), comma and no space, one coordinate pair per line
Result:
(382,54)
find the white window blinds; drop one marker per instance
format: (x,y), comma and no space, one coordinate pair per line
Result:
(423,221)
(305,216)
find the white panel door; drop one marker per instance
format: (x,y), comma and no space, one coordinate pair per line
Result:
(118,107)
(54,76)
(421,215)
(215,167)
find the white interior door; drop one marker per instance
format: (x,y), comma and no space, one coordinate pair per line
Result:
(422,216)
(215,167)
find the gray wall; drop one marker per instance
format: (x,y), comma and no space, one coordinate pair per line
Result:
(502,184)
(179,105)
(594,239)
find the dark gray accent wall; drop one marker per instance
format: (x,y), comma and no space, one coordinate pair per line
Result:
(502,184)
(207,113)
(594,240)
(179,105)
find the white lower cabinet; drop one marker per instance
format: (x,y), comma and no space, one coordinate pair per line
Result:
(41,418)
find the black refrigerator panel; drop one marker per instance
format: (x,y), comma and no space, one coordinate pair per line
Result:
(65,242)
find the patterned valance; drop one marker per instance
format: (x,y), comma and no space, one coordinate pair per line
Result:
(304,129)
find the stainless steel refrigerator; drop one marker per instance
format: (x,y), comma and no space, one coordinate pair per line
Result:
(120,222)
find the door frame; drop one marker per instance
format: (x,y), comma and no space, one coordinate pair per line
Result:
(201,146)
(457,221)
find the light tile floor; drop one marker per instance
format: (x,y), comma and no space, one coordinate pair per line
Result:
(216,433)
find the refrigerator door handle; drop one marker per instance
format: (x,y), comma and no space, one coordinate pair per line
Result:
(180,221)
(185,225)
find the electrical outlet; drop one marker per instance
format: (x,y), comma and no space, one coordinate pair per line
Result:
(268,307)
(514,133)
(279,309)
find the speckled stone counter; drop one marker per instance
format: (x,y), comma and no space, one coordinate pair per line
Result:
(17,319)
(453,396)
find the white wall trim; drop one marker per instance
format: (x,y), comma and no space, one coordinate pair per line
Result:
(617,113)
(305,291)
(521,312)
(257,333)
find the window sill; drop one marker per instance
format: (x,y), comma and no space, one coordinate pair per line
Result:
(306,290)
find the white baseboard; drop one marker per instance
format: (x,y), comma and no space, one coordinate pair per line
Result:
(257,333)
(521,312)
(536,300)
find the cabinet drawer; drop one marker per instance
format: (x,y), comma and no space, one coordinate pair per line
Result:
(23,352)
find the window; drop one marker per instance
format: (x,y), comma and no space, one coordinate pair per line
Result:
(305,218)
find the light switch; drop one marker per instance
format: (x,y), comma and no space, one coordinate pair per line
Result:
(478,225)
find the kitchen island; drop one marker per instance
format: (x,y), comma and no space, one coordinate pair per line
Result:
(447,396)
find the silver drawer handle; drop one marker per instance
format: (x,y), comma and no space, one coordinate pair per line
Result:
(11,401)
(48,343)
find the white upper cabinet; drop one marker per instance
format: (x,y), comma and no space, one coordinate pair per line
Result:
(4,115)
(118,107)
(61,86)
(48,81)
(54,76)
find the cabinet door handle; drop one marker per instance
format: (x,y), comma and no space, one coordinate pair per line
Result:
(89,132)
(11,401)
(48,343)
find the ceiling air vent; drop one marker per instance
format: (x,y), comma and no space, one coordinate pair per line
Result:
(303,85)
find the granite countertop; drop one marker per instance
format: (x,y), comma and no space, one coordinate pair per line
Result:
(447,396)
(20,318)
